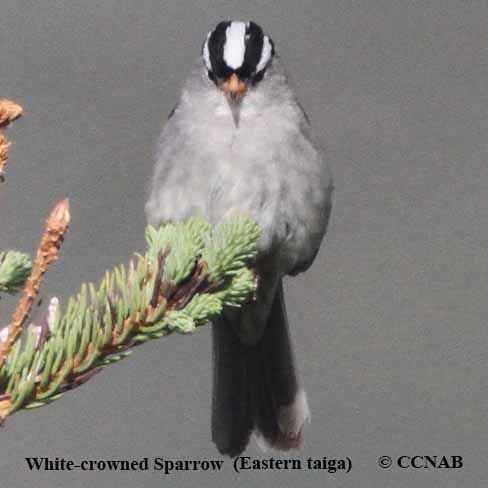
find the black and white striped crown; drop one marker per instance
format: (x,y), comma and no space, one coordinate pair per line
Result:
(237,47)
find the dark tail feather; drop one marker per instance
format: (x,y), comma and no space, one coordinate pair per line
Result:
(232,420)
(256,387)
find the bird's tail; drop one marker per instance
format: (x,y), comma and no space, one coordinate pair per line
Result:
(256,386)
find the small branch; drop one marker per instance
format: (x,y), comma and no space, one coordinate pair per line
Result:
(9,111)
(4,145)
(56,226)
(101,324)
(186,292)
(79,380)
(159,276)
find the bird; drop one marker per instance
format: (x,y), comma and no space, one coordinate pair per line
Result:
(239,142)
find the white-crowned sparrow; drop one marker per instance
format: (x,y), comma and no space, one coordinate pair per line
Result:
(239,142)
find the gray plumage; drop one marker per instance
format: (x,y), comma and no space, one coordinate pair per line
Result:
(271,168)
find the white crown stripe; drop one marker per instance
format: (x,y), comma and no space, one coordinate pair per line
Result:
(235,47)
(206,53)
(265,54)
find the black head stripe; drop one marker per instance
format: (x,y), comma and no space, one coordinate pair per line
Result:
(254,48)
(216,43)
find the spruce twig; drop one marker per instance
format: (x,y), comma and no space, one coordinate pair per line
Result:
(9,111)
(4,145)
(56,226)
(14,266)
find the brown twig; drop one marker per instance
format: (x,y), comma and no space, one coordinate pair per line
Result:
(78,380)
(4,145)
(56,227)
(9,111)
(187,290)
(159,276)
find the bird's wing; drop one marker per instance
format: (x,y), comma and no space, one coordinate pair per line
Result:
(304,264)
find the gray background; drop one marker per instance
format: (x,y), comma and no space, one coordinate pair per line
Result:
(389,325)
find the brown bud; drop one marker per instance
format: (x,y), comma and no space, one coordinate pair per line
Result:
(9,111)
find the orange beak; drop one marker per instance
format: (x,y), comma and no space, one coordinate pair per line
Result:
(234,88)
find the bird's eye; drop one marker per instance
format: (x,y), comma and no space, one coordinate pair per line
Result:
(212,76)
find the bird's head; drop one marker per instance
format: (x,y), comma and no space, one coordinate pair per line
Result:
(236,55)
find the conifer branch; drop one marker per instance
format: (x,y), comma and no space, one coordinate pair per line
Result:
(56,226)
(189,273)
